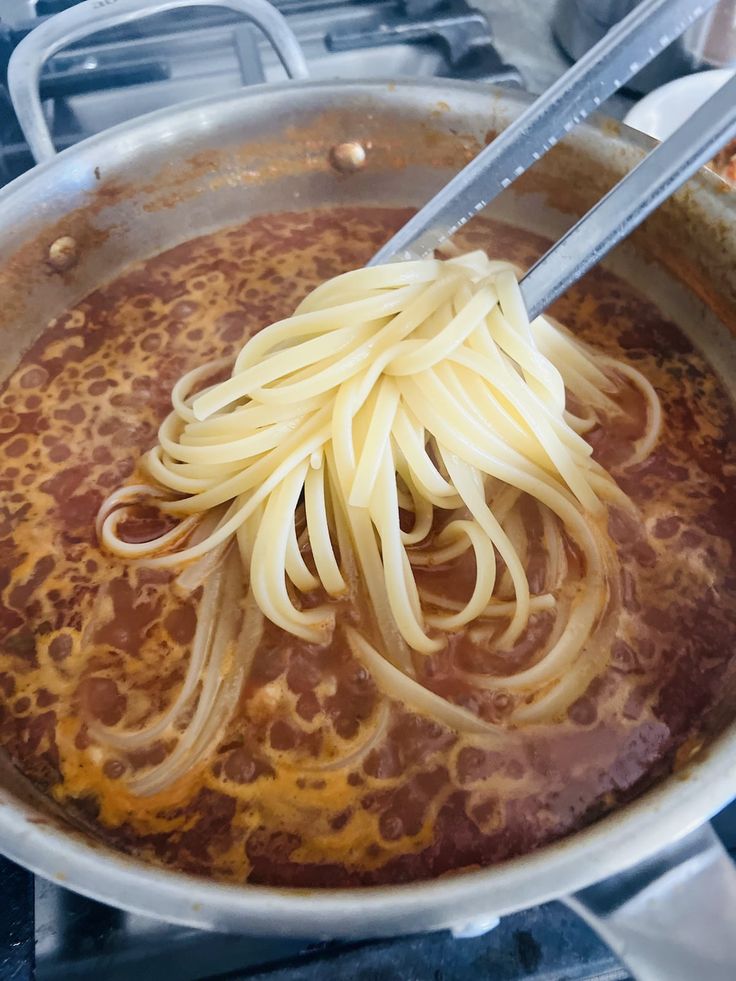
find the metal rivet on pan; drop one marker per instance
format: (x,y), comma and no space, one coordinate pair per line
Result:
(63,253)
(347,157)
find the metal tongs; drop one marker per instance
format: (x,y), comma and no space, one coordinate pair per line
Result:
(629,46)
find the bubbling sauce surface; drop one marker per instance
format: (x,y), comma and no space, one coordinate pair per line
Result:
(87,641)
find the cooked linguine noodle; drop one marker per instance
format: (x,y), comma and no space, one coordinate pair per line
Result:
(403,418)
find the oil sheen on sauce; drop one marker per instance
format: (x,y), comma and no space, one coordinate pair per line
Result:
(86,640)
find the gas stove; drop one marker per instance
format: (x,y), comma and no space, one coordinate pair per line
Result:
(47,932)
(181,55)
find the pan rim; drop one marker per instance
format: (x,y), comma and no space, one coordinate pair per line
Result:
(667,811)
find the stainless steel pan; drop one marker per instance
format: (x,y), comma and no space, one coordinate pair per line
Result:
(76,220)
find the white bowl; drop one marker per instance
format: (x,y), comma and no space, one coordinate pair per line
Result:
(661,112)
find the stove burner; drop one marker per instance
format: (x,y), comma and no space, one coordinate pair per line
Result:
(461,31)
(172,57)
